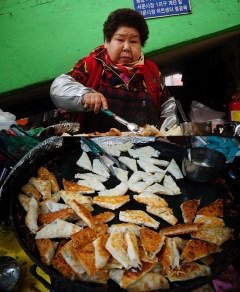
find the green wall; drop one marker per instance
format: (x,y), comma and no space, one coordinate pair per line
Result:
(41,39)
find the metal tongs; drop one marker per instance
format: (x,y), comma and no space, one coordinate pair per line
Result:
(131,126)
(99,152)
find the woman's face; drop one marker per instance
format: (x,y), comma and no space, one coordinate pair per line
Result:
(125,45)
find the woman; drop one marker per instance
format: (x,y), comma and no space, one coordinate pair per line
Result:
(115,76)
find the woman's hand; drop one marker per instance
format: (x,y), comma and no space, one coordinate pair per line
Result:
(95,100)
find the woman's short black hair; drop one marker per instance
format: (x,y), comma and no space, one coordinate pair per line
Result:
(127,17)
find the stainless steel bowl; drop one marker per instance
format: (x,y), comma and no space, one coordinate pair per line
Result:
(206,163)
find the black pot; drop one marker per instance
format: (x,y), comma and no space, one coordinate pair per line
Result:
(61,160)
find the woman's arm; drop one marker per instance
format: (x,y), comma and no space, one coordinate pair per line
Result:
(68,94)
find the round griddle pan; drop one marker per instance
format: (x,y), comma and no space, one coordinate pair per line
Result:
(62,162)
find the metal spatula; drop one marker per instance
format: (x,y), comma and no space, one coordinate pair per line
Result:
(131,126)
(96,151)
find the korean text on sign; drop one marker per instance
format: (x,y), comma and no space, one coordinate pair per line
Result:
(154,8)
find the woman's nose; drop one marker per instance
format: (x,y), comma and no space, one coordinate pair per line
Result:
(126,47)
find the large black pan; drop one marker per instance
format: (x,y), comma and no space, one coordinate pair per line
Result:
(62,162)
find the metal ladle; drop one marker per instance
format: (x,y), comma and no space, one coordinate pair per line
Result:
(9,273)
(131,126)
(188,143)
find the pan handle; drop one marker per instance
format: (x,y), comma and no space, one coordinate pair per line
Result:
(179,106)
(33,271)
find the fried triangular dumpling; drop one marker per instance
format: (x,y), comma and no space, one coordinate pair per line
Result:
(54,207)
(196,249)
(189,209)
(49,217)
(58,228)
(142,255)
(98,219)
(189,271)
(111,150)
(132,248)
(138,217)
(168,217)
(129,162)
(164,213)
(180,242)
(149,282)
(42,185)
(84,162)
(69,254)
(86,235)
(111,202)
(209,221)
(146,151)
(155,161)
(100,168)
(169,256)
(215,208)
(60,264)
(101,253)
(69,196)
(54,184)
(181,229)
(217,235)
(121,174)
(76,188)
(47,249)
(82,212)
(149,167)
(138,186)
(90,175)
(158,211)
(152,241)
(29,190)
(125,227)
(112,263)
(174,169)
(119,190)
(24,201)
(32,215)
(171,184)
(159,189)
(157,177)
(86,256)
(42,171)
(116,246)
(138,175)
(131,276)
(92,183)
(44,174)
(116,275)
(123,147)
(150,199)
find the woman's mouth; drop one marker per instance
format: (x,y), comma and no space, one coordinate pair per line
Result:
(125,59)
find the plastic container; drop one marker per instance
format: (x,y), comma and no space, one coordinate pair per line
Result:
(234,108)
(5,125)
